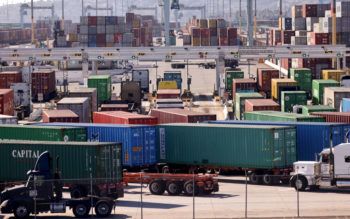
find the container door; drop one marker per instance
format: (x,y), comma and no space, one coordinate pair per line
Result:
(290,145)
(137,148)
(150,145)
(279,150)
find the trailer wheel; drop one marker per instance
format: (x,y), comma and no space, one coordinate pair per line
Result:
(268,179)
(81,210)
(189,190)
(254,178)
(174,188)
(103,209)
(157,187)
(21,211)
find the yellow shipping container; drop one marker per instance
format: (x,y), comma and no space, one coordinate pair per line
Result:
(196,41)
(167,85)
(276,82)
(333,74)
(212,23)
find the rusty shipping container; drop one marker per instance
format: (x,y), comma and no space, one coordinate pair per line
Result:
(114,107)
(243,85)
(7,78)
(265,76)
(6,102)
(337,117)
(66,116)
(318,38)
(79,105)
(232,36)
(120,117)
(43,85)
(181,116)
(261,105)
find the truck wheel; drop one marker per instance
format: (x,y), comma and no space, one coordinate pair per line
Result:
(254,179)
(81,210)
(188,188)
(77,192)
(268,179)
(21,211)
(103,209)
(174,188)
(157,187)
(300,183)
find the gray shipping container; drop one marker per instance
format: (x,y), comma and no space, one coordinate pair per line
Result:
(109,38)
(299,23)
(298,40)
(79,105)
(90,93)
(101,29)
(83,38)
(342,9)
(101,21)
(110,29)
(84,29)
(84,20)
(142,76)
(310,21)
(5,119)
(92,30)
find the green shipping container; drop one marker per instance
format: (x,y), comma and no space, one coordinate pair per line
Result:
(17,157)
(303,77)
(240,103)
(318,89)
(103,85)
(38,133)
(230,75)
(233,146)
(307,110)
(292,98)
(281,117)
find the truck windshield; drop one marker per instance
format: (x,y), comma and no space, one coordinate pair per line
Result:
(325,158)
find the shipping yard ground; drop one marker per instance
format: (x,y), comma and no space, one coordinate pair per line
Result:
(229,202)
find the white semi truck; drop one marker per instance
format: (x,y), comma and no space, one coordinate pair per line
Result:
(332,170)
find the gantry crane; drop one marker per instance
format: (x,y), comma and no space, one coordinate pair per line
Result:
(134,8)
(24,7)
(91,8)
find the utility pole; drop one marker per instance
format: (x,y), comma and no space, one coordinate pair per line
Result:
(249,23)
(32,17)
(63,15)
(334,31)
(255,22)
(281,14)
(240,16)
(96,7)
(82,7)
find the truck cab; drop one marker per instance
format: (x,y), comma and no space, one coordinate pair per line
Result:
(43,193)
(332,170)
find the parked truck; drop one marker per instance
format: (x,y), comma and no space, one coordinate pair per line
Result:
(332,170)
(43,193)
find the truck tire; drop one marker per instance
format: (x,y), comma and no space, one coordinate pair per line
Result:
(81,210)
(268,179)
(21,211)
(103,209)
(299,183)
(78,192)
(254,179)
(174,188)
(157,187)
(189,190)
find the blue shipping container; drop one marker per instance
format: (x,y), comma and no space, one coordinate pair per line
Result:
(312,137)
(139,141)
(345,105)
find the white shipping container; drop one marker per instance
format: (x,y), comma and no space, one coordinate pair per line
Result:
(342,9)
(328,13)
(301,33)
(334,95)
(21,94)
(79,105)
(90,93)
(5,119)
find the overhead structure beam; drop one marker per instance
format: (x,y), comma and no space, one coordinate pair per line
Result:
(250,39)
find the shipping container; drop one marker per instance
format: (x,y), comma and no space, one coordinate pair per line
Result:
(142,75)
(168,94)
(261,105)
(240,99)
(333,74)
(336,117)
(180,116)
(297,11)
(43,85)
(280,117)
(232,74)
(299,23)
(265,75)
(318,87)
(334,95)
(303,78)
(59,116)
(90,93)
(243,86)
(6,102)
(318,38)
(174,76)
(5,119)
(263,147)
(75,163)
(312,137)
(120,117)
(308,110)
(114,107)
(103,84)
(278,85)
(138,141)
(8,78)
(32,133)
(131,93)
(79,105)
(289,99)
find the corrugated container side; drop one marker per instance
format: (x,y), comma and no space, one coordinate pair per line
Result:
(180,116)
(318,87)
(8,78)
(7,102)
(243,85)
(261,105)
(280,116)
(59,116)
(240,103)
(120,117)
(5,119)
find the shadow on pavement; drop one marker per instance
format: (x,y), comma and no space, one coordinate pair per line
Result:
(136,204)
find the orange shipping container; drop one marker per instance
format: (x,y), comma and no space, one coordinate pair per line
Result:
(6,102)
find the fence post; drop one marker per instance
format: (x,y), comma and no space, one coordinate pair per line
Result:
(246,194)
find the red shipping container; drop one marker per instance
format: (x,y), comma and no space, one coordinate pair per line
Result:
(101,38)
(67,116)
(264,79)
(243,85)
(168,93)
(92,21)
(309,10)
(336,117)
(120,117)
(223,41)
(286,63)
(180,116)
(118,38)
(115,107)
(43,84)
(287,36)
(213,32)
(7,78)
(319,38)
(232,36)
(261,105)
(6,102)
